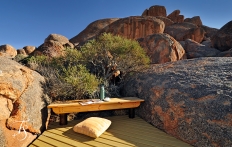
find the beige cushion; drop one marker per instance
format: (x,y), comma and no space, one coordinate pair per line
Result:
(93,126)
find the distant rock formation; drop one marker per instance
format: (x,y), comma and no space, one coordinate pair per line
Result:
(8,51)
(194,49)
(188,99)
(195,20)
(29,49)
(185,30)
(155,11)
(21,51)
(209,32)
(166,20)
(92,30)
(135,27)
(22,98)
(176,17)
(222,40)
(162,48)
(53,46)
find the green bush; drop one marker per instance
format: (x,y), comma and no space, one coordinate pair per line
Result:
(66,78)
(107,55)
(19,57)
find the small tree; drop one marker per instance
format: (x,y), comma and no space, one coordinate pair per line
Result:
(108,56)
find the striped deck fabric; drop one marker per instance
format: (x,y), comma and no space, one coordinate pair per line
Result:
(123,132)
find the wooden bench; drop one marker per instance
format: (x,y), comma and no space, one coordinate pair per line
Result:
(63,108)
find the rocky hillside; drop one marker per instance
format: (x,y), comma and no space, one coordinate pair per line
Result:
(187,89)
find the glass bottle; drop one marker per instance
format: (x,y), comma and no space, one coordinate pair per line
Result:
(102,92)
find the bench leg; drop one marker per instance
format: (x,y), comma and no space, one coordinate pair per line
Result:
(131,112)
(63,119)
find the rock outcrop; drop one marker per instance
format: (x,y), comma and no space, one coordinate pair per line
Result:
(162,48)
(8,51)
(209,32)
(176,17)
(185,30)
(53,46)
(194,49)
(222,40)
(29,49)
(166,20)
(135,27)
(21,51)
(155,11)
(92,30)
(227,53)
(195,20)
(22,99)
(196,34)
(188,99)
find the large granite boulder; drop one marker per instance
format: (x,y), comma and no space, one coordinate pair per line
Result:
(53,46)
(22,98)
(185,30)
(135,27)
(8,51)
(176,17)
(178,30)
(29,49)
(196,34)
(155,11)
(162,48)
(21,51)
(195,20)
(92,30)
(222,40)
(56,37)
(188,99)
(166,20)
(209,32)
(194,49)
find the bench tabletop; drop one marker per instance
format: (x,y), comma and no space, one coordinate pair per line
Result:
(77,102)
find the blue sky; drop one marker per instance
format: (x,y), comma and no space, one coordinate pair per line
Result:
(29,22)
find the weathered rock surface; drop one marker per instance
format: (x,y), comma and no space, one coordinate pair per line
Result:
(222,40)
(188,99)
(21,51)
(227,53)
(69,45)
(8,51)
(195,20)
(135,27)
(185,30)
(155,11)
(92,30)
(194,49)
(209,32)
(53,46)
(162,48)
(29,49)
(8,138)
(56,37)
(176,17)
(166,20)
(22,99)
(206,43)
(196,34)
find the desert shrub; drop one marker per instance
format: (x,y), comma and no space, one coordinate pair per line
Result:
(66,78)
(19,57)
(111,56)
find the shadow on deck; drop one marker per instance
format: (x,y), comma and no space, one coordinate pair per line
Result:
(123,132)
